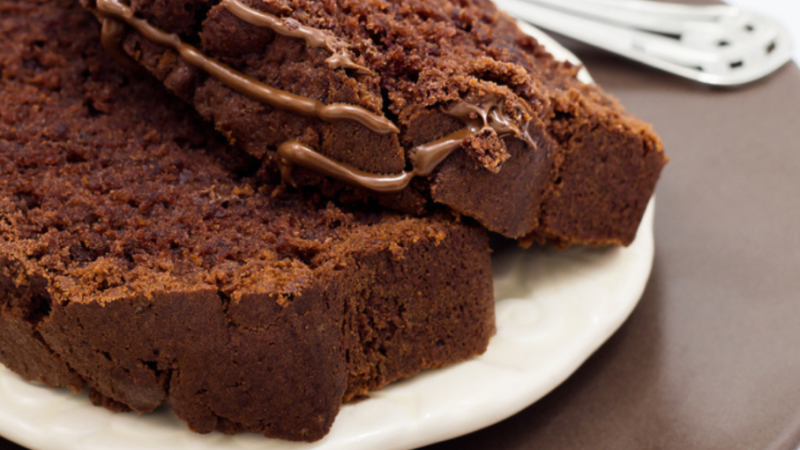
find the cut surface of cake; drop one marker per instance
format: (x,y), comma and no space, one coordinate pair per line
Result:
(140,259)
(408,104)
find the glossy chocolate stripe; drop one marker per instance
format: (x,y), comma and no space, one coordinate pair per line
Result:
(314,37)
(113,31)
(490,114)
(427,158)
(244,84)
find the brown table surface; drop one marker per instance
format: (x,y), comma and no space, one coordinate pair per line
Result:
(711,356)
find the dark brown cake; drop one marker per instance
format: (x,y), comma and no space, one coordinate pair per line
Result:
(137,259)
(378,86)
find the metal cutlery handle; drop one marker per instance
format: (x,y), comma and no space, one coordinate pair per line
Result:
(717,44)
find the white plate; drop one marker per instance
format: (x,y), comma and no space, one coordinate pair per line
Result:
(554,309)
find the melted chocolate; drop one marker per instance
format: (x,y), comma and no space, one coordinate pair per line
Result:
(490,113)
(426,158)
(294,153)
(292,28)
(242,83)
(113,31)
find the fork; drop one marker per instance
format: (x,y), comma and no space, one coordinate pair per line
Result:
(713,44)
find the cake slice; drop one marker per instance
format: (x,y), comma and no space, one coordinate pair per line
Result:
(409,104)
(140,260)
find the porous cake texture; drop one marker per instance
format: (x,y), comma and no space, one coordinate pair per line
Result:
(141,259)
(408,104)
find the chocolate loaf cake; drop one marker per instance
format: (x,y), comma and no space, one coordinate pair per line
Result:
(410,104)
(139,259)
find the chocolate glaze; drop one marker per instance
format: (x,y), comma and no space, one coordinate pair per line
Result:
(113,31)
(489,113)
(242,83)
(292,28)
(426,158)
(295,153)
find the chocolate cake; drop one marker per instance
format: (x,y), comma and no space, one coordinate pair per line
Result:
(410,104)
(140,259)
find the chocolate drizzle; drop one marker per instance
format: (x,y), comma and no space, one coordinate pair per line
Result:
(426,158)
(113,31)
(245,85)
(490,113)
(292,28)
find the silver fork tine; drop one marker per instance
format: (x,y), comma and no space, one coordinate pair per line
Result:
(718,45)
(650,16)
(650,7)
